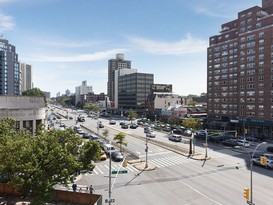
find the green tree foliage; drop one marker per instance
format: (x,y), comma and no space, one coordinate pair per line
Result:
(191,123)
(105,133)
(91,107)
(193,103)
(120,139)
(132,115)
(34,92)
(173,120)
(35,164)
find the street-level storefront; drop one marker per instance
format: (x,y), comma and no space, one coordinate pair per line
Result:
(28,111)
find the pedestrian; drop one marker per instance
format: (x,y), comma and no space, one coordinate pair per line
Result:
(74,187)
(91,189)
(86,191)
(80,190)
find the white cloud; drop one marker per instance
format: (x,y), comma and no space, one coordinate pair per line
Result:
(184,46)
(70,44)
(79,58)
(207,12)
(6,22)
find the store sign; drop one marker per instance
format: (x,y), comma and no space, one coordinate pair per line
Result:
(162,88)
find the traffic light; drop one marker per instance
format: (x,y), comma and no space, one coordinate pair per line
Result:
(263,160)
(246,193)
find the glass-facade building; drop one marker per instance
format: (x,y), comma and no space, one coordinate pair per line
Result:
(133,90)
(10,80)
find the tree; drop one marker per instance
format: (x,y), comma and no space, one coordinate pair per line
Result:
(132,115)
(191,123)
(91,107)
(35,164)
(105,133)
(34,92)
(120,139)
(193,103)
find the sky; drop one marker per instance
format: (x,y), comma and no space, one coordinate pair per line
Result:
(70,41)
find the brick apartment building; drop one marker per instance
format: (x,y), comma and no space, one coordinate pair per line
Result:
(240,73)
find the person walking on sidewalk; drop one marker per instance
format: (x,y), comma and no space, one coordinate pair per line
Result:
(91,189)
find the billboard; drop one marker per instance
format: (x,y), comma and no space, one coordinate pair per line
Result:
(162,88)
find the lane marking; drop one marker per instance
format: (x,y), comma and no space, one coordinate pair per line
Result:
(200,193)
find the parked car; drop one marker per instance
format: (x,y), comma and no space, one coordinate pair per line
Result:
(167,129)
(86,135)
(175,138)
(269,148)
(133,126)
(243,143)
(121,123)
(103,156)
(94,137)
(112,122)
(116,156)
(177,131)
(124,126)
(252,138)
(150,134)
(230,142)
(147,129)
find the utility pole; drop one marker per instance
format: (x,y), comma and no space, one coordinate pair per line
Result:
(206,153)
(110,178)
(146,150)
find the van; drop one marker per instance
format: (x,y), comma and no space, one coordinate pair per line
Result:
(108,148)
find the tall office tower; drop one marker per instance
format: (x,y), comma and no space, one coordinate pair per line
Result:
(10,81)
(113,65)
(26,73)
(240,72)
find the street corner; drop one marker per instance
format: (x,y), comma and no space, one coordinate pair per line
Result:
(143,166)
(200,157)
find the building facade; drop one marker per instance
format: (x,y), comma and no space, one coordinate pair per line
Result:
(10,80)
(82,90)
(26,76)
(113,65)
(133,90)
(28,111)
(240,72)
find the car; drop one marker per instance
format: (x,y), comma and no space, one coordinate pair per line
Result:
(101,125)
(230,142)
(116,156)
(252,138)
(86,135)
(269,148)
(167,129)
(175,138)
(94,137)
(177,131)
(103,156)
(150,134)
(133,126)
(112,122)
(147,129)
(81,119)
(79,131)
(62,124)
(121,123)
(269,160)
(243,143)
(124,126)
(71,118)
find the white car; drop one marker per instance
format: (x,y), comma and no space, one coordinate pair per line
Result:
(150,134)
(243,143)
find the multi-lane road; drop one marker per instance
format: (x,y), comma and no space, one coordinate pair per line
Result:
(178,179)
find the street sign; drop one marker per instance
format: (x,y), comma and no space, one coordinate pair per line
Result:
(120,172)
(205,144)
(111,200)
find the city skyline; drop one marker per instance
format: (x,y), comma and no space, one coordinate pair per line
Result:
(68,43)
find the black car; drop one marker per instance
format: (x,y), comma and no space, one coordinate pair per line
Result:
(177,131)
(86,135)
(133,126)
(101,125)
(116,156)
(124,126)
(230,142)
(269,148)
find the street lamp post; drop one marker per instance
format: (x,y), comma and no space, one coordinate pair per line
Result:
(146,150)
(206,153)
(251,168)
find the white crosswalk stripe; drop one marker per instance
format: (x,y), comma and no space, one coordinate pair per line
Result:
(104,169)
(168,161)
